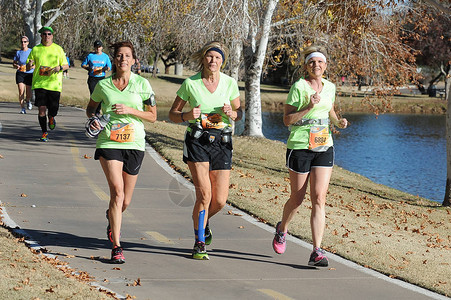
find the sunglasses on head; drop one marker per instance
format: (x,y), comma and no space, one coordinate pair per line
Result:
(46,33)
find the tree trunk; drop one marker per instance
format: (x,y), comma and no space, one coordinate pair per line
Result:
(155,62)
(37,21)
(254,57)
(447,199)
(235,58)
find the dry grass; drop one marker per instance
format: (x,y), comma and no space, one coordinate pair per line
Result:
(25,275)
(395,233)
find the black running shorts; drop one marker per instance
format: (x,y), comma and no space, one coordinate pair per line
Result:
(25,78)
(50,99)
(131,158)
(92,82)
(303,160)
(218,154)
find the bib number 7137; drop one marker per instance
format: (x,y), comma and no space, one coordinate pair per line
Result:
(122,133)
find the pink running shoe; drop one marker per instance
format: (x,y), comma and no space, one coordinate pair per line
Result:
(318,258)
(279,243)
(117,257)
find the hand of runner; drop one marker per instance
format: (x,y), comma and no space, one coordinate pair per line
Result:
(30,64)
(95,125)
(315,98)
(196,112)
(342,123)
(121,109)
(227,109)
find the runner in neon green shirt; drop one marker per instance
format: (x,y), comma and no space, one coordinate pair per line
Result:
(310,156)
(134,95)
(214,99)
(129,100)
(49,62)
(299,97)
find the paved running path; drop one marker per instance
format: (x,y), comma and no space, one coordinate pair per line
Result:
(64,212)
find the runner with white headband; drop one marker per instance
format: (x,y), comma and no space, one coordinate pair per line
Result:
(308,111)
(315,54)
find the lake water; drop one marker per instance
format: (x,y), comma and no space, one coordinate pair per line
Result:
(406,152)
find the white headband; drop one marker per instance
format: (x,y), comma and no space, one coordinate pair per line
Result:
(315,54)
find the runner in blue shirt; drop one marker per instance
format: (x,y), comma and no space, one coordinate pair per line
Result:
(97,63)
(23,77)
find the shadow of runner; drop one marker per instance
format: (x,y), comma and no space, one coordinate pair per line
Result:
(47,238)
(229,254)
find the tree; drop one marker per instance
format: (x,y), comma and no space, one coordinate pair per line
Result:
(429,32)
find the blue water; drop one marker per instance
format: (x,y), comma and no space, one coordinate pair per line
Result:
(406,152)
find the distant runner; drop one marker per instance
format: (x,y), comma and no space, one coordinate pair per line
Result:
(97,63)
(49,62)
(24,77)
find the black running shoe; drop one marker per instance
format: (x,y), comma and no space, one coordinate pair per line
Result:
(117,257)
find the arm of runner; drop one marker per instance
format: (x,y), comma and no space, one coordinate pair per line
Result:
(177,116)
(233,110)
(150,113)
(291,114)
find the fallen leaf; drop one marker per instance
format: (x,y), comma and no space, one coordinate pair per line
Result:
(86,156)
(241,227)
(116,268)
(23,195)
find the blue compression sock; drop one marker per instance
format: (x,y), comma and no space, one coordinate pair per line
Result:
(200,226)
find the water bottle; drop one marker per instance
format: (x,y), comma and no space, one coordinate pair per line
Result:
(103,120)
(197,130)
(226,135)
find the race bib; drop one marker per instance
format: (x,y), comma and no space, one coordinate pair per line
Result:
(23,68)
(45,71)
(97,70)
(212,121)
(319,138)
(122,133)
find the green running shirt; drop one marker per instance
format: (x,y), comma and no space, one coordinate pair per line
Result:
(194,92)
(137,91)
(51,57)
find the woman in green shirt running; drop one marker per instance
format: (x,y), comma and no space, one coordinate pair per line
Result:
(308,112)
(128,99)
(214,99)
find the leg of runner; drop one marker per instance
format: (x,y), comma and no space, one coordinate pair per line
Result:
(121,187)
(200,172)
(21,88)
(220,180)
(319,183)
(28,96)
(298,183)
(43,122)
